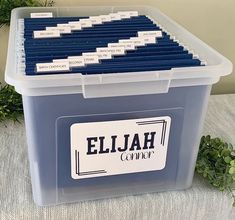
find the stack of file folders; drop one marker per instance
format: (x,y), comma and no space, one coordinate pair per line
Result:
(130,44)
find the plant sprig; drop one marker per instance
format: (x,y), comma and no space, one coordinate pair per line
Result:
(216,163)
(11,106)
(7,5)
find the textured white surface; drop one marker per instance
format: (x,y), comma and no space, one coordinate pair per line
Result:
(201,202)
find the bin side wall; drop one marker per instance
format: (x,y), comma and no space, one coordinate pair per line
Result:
(186,105)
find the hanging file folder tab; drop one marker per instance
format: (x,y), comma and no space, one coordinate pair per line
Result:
(76,62)
(126,45)
(104,56)
(95,19)
(124,15)
(91,59)
(52,67)
(75,57)
(105,18)
(60,60)
(133,13)
(128,14)
(75,25)
(150,33)
(149,40)
(113,51)
(90,54)
(41,15)
(101,55)
(46,34)
(62,30)
(115,16)
(63,25)
(85,23)
(134,40)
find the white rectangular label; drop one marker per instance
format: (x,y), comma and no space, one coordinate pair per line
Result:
(101,55)
(134,40)
(104,56)
(41,15)
(75,25)
(115,16)
(63,25)
(149,40)
(105,18)
(149,33)
(63,30)
(74,57)
(113,51)
(119,147)
(89,54)
(85,23)
(129,13)
(91,59)
(52,67)
(133,13)
(76,62)
(59,60)
(126,45)
(124,14)
(95,20)
(46,34)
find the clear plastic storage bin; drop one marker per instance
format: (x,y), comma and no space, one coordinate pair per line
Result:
(105,135)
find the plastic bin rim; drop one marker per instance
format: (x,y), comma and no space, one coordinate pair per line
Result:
(221,68)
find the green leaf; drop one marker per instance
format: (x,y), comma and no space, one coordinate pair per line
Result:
(232,170)
(227,159)
(225,152)
(232,163)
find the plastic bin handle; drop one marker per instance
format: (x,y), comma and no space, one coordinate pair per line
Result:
(124,84)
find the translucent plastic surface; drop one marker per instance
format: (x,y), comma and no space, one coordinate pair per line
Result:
(48,119)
